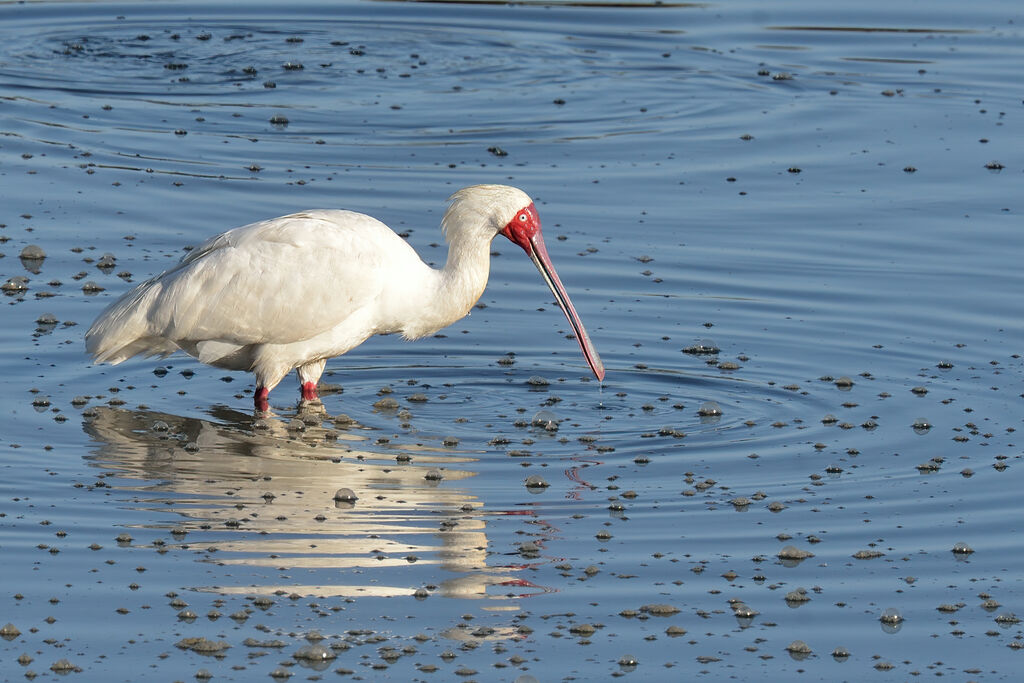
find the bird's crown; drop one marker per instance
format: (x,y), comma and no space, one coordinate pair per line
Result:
(482,207)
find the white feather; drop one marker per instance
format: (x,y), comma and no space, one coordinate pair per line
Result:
(293,291)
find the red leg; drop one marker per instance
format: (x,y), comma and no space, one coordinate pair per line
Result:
(309,391)
(260,399)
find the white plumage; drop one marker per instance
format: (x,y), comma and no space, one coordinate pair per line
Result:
(291,292)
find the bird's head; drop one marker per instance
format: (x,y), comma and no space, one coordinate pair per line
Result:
(524,227)
(502,210)
(485,211)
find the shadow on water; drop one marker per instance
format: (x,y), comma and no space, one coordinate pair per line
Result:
(261,494)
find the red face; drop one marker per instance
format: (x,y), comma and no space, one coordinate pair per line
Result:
(523,227)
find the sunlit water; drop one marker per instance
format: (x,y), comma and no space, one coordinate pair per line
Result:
(822,193)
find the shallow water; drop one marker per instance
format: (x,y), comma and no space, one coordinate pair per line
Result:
(821,192)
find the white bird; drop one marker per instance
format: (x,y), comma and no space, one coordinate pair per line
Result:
(291,292)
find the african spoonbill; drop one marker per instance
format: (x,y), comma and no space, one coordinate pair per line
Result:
(291,292)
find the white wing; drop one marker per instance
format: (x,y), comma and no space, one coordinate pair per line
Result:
(275,282)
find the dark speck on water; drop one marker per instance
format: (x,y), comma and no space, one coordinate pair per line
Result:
(834,188)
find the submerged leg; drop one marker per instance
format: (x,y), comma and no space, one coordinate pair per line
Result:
(309,376)
(269,370)
(309,391)
(260,399)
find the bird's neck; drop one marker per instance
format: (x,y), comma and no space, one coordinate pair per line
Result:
(464,275)
(450,293)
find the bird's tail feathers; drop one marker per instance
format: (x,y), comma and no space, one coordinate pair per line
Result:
(124,330)
(145,346)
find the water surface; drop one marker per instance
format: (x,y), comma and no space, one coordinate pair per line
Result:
(828,195)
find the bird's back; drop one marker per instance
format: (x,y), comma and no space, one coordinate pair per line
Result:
(274,282)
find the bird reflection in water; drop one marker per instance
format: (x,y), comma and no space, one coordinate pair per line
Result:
(260,501)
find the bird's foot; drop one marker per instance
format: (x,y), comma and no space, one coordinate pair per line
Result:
(260,399)
(309,391)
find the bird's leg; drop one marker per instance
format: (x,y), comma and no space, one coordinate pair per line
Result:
(260,399)
(309,376)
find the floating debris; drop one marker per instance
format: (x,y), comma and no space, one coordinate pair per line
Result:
(709,409)
(546,420)
(891,615)
(314,653)
(703,347)
(202,645)
(743,611)
(345,495)
(535,481)
(63,666)
(791,552)
(32,252)
(660,609)
(15,285)
(584,630)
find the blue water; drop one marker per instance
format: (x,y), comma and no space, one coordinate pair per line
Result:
(819,191)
